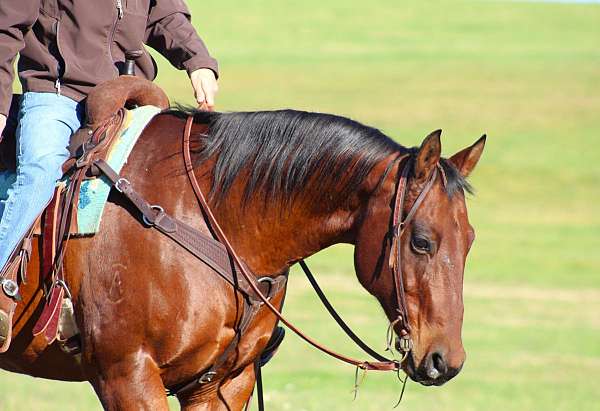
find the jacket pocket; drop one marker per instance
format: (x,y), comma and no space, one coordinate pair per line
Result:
(130,35)
(137,6)
(45,53)
(130,31)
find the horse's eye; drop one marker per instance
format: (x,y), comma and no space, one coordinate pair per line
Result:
(420,245)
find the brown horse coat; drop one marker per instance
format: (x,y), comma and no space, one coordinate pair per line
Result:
(151,316)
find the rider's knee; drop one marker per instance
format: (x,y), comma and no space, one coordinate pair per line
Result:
(41,170)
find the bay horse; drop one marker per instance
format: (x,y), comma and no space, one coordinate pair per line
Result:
(283,185)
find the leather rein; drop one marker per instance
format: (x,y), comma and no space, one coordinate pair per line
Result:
(399,223)
(218,254)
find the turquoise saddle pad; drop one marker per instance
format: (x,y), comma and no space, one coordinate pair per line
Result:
(94,193)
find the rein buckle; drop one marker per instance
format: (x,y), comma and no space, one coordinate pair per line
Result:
(405,343)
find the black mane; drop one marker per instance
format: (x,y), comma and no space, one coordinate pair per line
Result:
(281,153)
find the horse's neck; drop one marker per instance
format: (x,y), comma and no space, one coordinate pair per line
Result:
(270,241)
(271,236)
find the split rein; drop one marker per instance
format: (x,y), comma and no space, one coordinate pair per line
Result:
(218,254)
(399,223)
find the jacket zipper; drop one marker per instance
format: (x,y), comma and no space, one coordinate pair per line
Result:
(120,14)
(60,57)
(120,8)
(119,5)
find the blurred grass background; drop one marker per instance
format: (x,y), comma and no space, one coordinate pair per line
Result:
(528,74)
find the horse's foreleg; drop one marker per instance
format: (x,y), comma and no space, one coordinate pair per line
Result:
(232,395)
(132,384)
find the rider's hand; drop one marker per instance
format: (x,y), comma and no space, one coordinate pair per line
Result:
(205,87)
(2,124)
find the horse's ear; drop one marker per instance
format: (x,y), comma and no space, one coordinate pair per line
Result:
(466,159)
(428,156)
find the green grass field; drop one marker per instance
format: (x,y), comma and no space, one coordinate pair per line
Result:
(528,75)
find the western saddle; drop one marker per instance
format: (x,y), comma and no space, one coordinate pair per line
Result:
(105,111)
(105,114)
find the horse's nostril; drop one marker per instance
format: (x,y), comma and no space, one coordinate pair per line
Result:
(439,364)
(434,369)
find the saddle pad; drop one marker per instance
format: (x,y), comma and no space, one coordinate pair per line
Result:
(94,193)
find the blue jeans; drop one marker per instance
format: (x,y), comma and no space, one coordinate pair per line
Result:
(46,121)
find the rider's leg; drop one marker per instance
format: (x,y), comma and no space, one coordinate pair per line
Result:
(46,121)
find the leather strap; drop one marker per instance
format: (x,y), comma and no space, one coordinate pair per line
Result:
(399,224)
(212,253)
(49,235)
(47,324)
(56,240)
(8,303)
(9,288)
(259,385)
(367,365)
(343,325)
(206,249)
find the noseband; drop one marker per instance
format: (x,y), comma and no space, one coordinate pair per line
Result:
(399,224)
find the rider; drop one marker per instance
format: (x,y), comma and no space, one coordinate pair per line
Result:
(66,48)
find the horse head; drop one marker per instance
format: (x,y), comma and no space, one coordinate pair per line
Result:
(433,245)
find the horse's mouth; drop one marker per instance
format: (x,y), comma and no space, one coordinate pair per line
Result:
(420,374)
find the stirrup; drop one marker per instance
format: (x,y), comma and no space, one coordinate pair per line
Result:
(4,327)
(5,330)
(272,346)
(9,289)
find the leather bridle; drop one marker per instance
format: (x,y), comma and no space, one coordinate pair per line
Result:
(220,254)
(398,226)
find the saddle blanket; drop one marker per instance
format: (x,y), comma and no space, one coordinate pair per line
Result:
(94,193)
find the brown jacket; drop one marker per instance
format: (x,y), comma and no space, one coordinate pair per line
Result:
(69,46)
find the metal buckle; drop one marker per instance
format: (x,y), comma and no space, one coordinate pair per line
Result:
(154,207)
(271,282)
(207,377)
(61,283)
(119,182)
(82,161)
(10,287)
(398,228)
(405,343)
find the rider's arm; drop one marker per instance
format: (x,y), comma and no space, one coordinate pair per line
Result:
(171,33)
(16,17)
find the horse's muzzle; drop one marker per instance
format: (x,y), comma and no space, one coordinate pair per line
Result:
(433,370)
